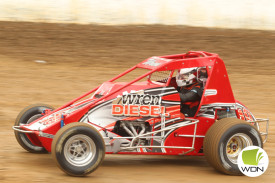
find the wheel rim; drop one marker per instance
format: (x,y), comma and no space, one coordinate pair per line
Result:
(236,144)
(79,150)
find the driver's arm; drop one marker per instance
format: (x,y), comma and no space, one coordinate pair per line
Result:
(189,97)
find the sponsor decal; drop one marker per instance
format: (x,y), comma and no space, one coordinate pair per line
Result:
(137,104)
(152,62)
(155,61)
(51,119)
(241,115)
(244,114)
(247,115)
(253,161)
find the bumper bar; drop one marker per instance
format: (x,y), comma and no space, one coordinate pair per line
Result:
(17,128)
(257,123)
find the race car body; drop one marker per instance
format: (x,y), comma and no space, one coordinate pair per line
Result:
(142,116)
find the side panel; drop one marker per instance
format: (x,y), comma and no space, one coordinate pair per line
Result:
(218,88)
(140,104)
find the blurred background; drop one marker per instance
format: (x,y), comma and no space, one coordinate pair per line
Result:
(53,51)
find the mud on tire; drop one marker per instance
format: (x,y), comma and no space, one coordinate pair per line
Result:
(26,116)
(224,141)
(78,149)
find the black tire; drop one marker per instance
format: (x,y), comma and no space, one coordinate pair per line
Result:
(26,116)
(225,139)
(78,149)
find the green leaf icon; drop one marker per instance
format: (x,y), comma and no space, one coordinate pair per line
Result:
(250,157)
(259,157)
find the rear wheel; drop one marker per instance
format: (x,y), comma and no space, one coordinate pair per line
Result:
(26,116)
(225,140)
(78,149)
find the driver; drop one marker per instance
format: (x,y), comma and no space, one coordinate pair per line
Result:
(190,91)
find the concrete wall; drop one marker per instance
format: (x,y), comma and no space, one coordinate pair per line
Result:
(249,14)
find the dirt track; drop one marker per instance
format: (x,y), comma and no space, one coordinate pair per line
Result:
(79,57)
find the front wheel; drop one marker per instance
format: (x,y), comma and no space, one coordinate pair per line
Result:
(26,116)
(78,149)
(225,140)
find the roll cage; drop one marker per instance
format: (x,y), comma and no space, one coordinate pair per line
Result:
(217,75)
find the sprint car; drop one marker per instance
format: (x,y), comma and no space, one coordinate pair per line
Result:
(143,116)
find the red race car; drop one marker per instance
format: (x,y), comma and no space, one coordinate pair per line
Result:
(148,114)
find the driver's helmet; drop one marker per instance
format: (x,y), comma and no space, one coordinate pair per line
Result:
(186,76)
